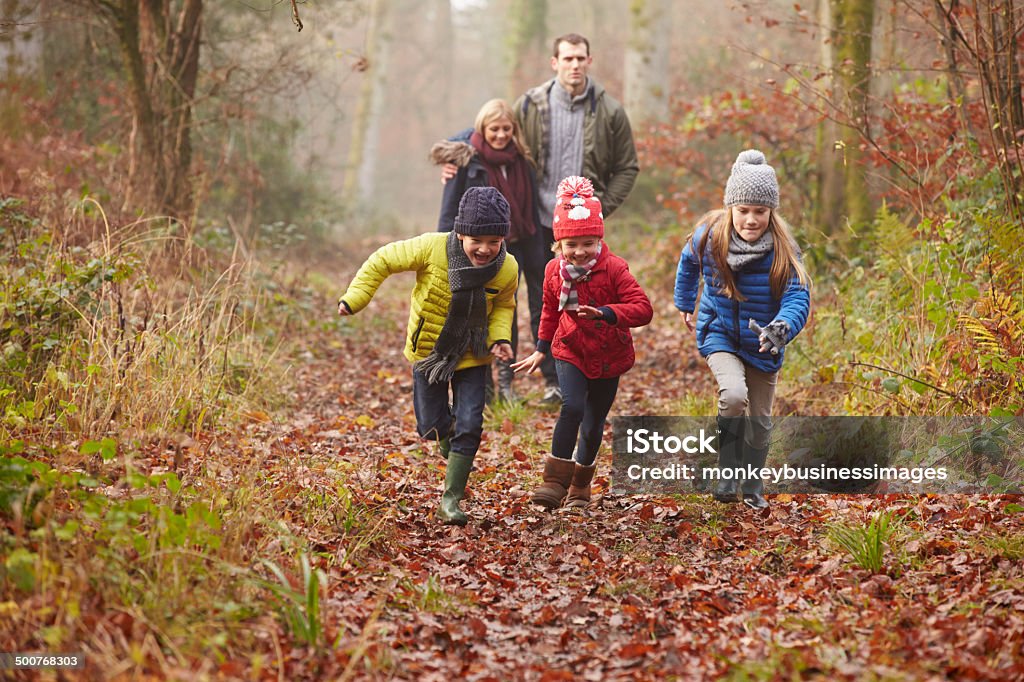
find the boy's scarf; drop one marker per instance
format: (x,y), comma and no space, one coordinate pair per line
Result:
(516,188)
(742,253)
(568,299)
(466,323)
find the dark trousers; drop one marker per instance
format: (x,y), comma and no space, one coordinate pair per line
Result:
(533,254)
(462,422)
(585,404)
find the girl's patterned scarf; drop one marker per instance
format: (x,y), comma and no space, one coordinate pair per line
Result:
(743,253)
(465,326)
(568,298)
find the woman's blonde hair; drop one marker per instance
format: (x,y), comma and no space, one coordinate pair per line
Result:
(494,109)
(785,265)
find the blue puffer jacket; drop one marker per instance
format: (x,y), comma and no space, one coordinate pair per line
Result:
(722,323)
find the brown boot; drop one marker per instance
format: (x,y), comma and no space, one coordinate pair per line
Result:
(557,477)
(579,490)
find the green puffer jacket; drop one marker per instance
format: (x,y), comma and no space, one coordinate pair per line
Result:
(609,155)
(426,255)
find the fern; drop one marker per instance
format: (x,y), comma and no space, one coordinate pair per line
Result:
(998,327)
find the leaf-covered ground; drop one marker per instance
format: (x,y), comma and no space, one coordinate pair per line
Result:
(635,587)
(203,579)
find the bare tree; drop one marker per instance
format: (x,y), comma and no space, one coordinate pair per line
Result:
(647,60)
(527,43)
(362,158)
(984,36)
(444,34)
(159,42)
(20,37)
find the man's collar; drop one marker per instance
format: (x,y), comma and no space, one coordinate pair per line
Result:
(565,93)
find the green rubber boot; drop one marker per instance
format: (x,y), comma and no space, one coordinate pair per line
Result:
(455,477)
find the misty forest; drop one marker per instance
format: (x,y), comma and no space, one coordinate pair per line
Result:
(207,473)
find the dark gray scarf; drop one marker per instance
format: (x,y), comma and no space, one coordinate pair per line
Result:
(466,323)
(742,253)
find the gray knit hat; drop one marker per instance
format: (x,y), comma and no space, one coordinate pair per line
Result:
(483,211)
(752,181)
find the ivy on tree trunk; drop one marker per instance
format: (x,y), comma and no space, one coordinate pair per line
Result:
(159,42)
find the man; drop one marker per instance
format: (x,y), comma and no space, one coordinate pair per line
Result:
(577,128)
(573,127)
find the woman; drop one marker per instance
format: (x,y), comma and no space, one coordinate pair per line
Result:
(493,154)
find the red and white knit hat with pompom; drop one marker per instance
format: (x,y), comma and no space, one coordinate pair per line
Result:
(577,210)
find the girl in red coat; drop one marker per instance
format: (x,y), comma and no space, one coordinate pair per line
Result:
(590,302)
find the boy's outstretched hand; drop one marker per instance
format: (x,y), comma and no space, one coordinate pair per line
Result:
(343,309)
(503,351)
(529,364)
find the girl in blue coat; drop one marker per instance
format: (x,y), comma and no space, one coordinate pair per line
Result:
(756,299)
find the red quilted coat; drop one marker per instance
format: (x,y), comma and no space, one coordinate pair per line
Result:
(599,349)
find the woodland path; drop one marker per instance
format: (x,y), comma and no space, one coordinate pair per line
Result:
(634,588)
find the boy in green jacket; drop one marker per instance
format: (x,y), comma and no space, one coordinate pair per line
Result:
(461,315)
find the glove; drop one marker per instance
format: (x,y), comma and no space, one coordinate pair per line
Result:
(773,336)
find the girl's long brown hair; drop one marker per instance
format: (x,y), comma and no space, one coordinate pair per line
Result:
(494,109)
(785,266)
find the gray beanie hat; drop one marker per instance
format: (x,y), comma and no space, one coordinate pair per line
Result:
(752,181)
(483,211)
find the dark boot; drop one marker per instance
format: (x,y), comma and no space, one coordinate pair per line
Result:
(558,475)
(753,488)
(455,478)
(730,434)
(552,397)
(579,489)
(505,376)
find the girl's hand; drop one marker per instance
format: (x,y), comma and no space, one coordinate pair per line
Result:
(503,351)
(687,319)
(589,313)
(343,309)
(529,364)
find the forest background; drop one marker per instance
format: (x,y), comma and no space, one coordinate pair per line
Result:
(185,188)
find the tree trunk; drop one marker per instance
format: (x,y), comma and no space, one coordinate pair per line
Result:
(159,44)
(647,60)
(852,26)
(829,204)
(1002,85)
(444,34)
(21,38)
(362,156)
(986,33)
(528,46)
(954,79)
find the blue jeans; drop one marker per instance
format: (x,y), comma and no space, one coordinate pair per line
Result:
(463,422)
(585,404)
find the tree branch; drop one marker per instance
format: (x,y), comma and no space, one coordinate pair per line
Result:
(907,376)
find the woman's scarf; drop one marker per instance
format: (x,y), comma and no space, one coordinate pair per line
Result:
(465,326)
(568,299)
(516,187)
